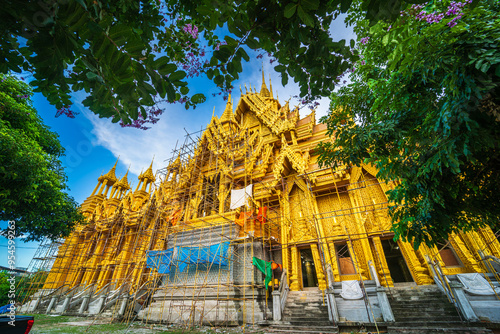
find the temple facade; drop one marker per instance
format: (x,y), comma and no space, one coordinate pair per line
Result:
(181,246)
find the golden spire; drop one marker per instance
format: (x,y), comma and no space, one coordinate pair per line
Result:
(228,112)
(176,163)
(123,183)
(110,176)
(148,174)
(270,86)
(263,89)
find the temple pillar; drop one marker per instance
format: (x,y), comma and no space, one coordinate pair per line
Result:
(418,272)
(382,267)
(319,268)
(333,262)
(295,283)
(465,255)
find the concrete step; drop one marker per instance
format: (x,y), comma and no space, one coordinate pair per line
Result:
(436,309)
(417,298)
(314,315)
(300,329)
(431,324)
(293,304)
(306,310)
(403,316)
(430,310)
(427,320)
(310,315)
(308,320)
(425,330)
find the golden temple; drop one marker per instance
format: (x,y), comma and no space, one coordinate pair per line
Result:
(179,247)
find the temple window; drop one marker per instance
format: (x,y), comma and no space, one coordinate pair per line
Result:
(346,264)
(448,255)
(209,198)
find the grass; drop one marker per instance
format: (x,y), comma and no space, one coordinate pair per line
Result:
(47,324)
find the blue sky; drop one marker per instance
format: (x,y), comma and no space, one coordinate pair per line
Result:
(93,145)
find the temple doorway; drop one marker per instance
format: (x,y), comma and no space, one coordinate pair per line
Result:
(396,262)
(309,277)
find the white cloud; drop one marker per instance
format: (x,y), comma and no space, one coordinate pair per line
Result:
(137,147)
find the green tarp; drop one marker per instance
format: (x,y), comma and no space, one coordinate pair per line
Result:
(265,267)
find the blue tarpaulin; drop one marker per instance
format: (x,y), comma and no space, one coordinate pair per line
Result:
(6,308)
(161,260)
(166,260)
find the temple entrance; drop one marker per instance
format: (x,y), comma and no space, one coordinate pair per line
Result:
(396,262)
(309,277)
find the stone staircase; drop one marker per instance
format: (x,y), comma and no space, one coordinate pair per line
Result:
(304,312)
(426,309)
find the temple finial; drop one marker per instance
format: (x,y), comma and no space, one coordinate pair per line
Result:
(263,79)
(270,86)
(228,112)
(263,89)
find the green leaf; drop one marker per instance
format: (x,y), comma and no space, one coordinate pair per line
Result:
(91,75)
(310,4)
(231,42)
(82,3)
(242,53)
(252,43)
(170,91)
(280,68)
(184,90)
(385,39)
(198,98)
(305,17)
(344,5)
(284,79)
(119,33)
(290,10)
(218,80)
(164,66)
(176,76)
(204,10)
(223,53)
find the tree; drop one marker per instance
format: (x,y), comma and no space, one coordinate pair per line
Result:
(131,55)
(4,289)
(32,180)
(424,107)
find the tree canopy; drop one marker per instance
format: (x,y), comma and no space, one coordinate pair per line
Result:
(424,107)
(130,55)
(32,180)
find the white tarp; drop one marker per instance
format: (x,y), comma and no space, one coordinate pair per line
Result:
(476,284)
(240,197)
(351,290)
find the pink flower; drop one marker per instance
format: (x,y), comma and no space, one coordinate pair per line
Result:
(191,29)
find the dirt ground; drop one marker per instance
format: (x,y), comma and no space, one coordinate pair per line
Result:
(50,324)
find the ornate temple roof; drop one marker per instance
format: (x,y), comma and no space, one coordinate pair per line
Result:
(148,174)
(109,176)
(123,183)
